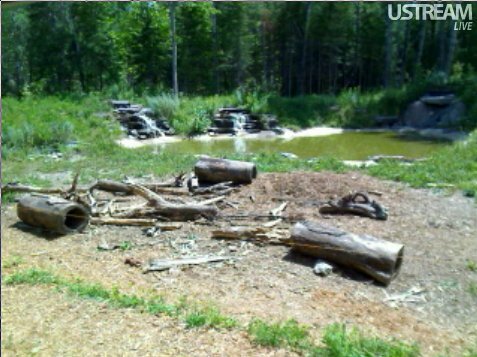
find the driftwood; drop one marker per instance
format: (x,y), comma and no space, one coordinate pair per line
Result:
(213,170)
(177,212)
(355,203)
(111,186)
(376,257)
(53,213)
(164,264)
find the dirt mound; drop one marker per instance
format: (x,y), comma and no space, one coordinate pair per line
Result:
(271,282)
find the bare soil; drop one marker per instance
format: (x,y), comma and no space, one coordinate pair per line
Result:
(269,282)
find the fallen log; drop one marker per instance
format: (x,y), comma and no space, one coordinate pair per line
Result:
(18,187)
(124,221)
(213,170)
(258,234)
(376,257)
(53,213)
(164,264)
(111,186)
(355,203)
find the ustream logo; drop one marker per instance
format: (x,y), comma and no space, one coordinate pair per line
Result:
(461,14)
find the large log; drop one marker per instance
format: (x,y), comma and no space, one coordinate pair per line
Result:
(213,170)
(376,257)
(52,213)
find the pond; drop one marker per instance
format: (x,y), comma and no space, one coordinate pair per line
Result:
(345,146)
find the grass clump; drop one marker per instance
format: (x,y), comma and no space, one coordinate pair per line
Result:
(12,261)
(208,317)
(32,277)
(285,334)
(339,342)
(471,265)
(472,289)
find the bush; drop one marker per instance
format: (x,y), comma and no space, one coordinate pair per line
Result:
(164,106)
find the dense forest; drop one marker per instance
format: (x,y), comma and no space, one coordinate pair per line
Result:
(289,48)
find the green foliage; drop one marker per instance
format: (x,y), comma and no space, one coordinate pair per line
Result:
(50,123)
(339,342)
(455,165)
(164,106)
(32,277)
(471,265)
(472,289)
(208,317)
(302,111)
(126,245)
(285,334)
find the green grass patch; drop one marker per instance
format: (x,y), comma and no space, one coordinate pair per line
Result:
(337,340)
(208,317)
(455,165)
(472,289)
(284,334)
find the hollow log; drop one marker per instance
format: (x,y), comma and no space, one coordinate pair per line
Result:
(53,213)
(376,257)
(213,170)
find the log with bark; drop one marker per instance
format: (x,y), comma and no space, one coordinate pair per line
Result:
(376,257)
(356,203)
(213,170)
(53,213)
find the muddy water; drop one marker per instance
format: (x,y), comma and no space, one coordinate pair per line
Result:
(346,146)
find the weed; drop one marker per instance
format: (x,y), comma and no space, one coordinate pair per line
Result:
(126,245)
(471,265)
(12,261)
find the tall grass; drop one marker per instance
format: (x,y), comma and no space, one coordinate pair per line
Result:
(49,123)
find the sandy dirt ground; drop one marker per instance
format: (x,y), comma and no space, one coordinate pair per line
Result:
(270,282)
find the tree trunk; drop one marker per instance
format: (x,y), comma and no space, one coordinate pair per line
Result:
(451,45)
(302,70)
(420,47)
(378,258)
(388,49)
(172,19)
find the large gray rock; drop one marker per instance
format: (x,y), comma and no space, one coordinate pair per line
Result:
(423,114)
